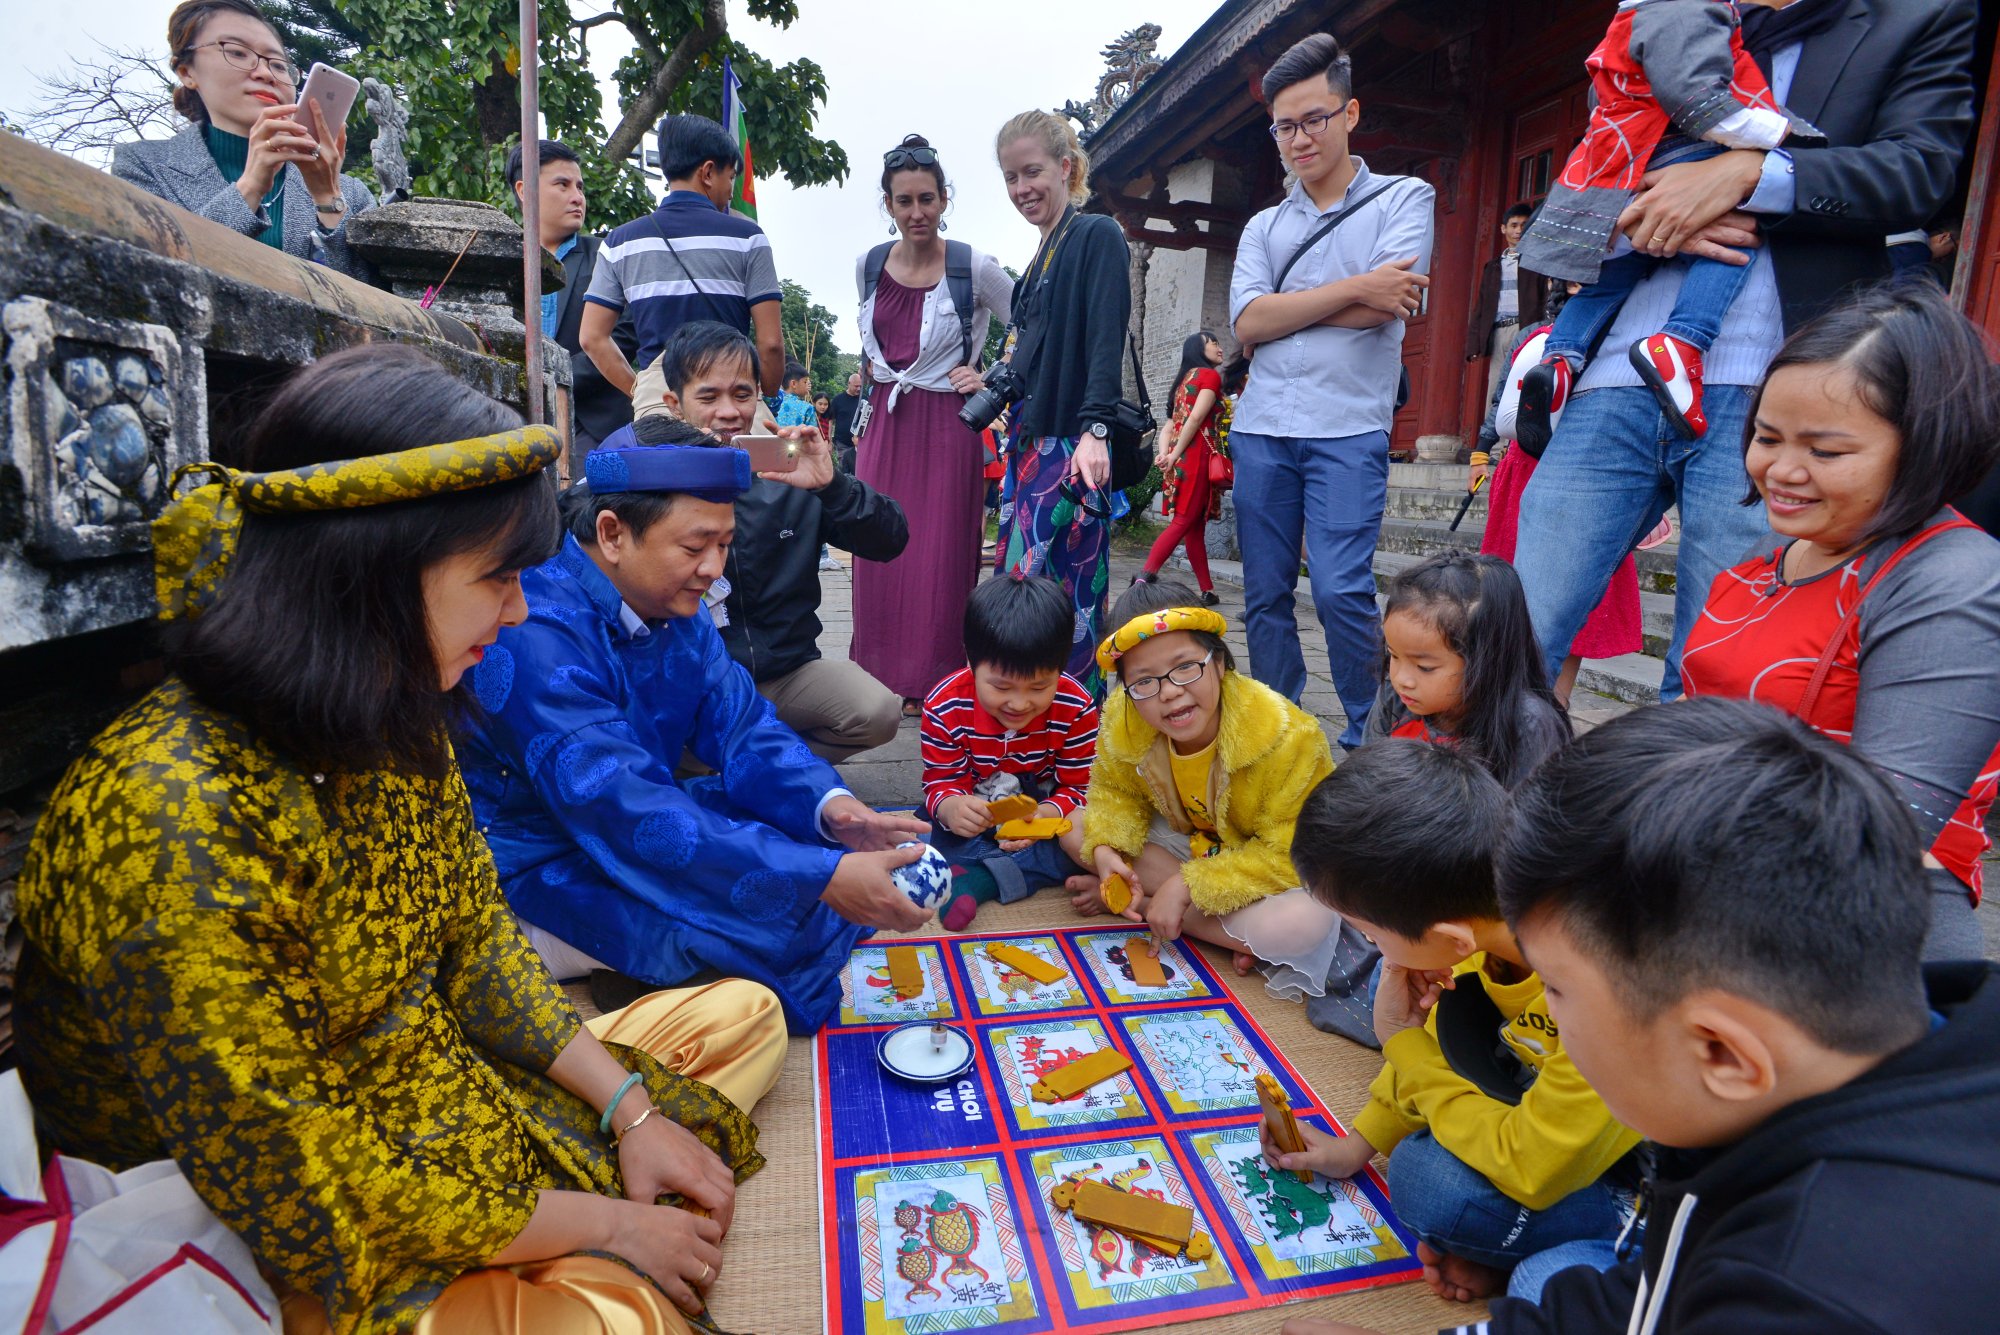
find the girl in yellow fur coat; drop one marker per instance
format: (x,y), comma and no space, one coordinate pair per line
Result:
(1199,777)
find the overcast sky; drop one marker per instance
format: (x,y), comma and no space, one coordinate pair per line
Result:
(952,70)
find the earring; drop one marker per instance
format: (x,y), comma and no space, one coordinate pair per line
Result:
(943,226)
(892,229)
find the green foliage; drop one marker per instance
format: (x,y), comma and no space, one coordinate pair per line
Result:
(1142,492)
(996,333)
(809,325)
(449,62)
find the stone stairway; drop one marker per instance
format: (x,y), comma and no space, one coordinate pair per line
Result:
(1416,523)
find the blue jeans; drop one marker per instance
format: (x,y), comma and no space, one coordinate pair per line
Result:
(1036,867)
(1330,491)
(1611,471)
(1707,290)
(1455,1209)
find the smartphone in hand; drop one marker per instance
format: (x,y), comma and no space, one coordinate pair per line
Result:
(335,93)
(768,454)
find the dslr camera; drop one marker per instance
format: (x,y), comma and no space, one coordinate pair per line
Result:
(1000,388)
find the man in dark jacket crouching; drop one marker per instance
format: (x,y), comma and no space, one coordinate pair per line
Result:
(768,603)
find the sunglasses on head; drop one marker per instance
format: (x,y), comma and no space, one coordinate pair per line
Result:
(898,158)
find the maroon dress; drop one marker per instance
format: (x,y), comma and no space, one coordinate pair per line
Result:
(909,614)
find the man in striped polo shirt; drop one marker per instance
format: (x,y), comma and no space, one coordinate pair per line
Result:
(689,259)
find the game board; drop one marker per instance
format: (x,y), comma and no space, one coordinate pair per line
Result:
(934,1201)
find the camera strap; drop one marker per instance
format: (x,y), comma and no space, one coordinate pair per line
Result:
(722,316)
(1029,292)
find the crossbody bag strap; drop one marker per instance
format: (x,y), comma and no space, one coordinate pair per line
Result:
(1326,227)
(1825,665)
(722,317)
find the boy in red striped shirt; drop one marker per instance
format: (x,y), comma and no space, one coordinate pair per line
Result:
(1011,721)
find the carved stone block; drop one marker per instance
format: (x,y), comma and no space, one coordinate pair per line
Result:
(99,415)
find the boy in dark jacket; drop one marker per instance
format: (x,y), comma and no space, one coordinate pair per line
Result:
(769,605)
(1727,913)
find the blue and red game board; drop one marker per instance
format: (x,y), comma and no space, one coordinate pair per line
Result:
(935,1212)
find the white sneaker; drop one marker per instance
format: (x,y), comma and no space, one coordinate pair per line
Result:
(828,562)
(1506,412)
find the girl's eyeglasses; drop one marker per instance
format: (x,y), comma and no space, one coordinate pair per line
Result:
(1184,674)
(241,57)
(898,158)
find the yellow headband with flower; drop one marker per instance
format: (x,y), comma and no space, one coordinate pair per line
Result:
(195,535)
(1145,626)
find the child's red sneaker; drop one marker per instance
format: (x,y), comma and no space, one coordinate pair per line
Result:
(1544,391)
(1671,368)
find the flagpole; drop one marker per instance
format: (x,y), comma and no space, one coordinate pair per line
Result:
(531,204)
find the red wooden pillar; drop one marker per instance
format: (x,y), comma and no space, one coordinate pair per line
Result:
(1976,282)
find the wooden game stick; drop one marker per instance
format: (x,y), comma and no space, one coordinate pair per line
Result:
(1284,1124)
(1160,1225)
(1072,1078)
(906,972)
(1022,961)
(1045,827)
(1016,806)
(1142,953)
(1117,895)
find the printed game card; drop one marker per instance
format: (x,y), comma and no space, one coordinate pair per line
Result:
(1294,1229)
(1103,1267)
(1027,1052)
(997,989)
(1199,1059)
(1104,952)
(868,997)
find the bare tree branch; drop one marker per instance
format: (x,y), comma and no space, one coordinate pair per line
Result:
(609,16)
(645,109)
(98,102)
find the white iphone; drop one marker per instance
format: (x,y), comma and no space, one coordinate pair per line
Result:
(333,91)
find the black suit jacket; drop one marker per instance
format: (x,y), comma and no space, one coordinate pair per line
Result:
(600,408)
(1890,84)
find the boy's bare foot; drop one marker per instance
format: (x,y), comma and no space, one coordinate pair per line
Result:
(1083,896)
(1458,1280)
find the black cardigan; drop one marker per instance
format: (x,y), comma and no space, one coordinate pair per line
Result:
(1082,308)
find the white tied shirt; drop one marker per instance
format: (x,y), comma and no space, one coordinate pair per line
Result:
(938,345)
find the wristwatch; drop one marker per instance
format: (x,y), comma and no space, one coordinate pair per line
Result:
(1098,429)
(335,210)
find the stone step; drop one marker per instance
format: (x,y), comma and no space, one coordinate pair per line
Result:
(1632,678)
(1426,476)
(1433,503)
(1422,537)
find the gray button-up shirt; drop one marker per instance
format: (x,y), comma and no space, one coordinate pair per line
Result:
(1324,381)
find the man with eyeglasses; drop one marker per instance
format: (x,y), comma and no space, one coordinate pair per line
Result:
(1324,281)
(252,158)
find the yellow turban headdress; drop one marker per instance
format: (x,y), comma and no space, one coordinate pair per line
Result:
(1148,624)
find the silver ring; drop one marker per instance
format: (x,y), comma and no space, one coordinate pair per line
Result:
(704,1275)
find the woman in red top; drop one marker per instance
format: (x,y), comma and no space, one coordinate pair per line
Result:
(1878,620)
(1183,452)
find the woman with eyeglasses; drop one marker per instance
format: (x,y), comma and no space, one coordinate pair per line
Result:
(1070,312)
(251,158)
(926,304)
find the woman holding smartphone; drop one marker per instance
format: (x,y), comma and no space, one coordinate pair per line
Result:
(253,158)
(1070,312)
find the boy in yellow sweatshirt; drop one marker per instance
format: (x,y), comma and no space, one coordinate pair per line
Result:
(1502,1159)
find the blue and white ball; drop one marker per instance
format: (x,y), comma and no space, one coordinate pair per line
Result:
(927,881)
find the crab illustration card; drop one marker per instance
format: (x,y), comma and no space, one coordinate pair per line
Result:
(939,1203)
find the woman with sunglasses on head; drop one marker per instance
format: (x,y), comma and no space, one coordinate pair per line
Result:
(264,934)
(251,158)
(1070,313)
(926,304)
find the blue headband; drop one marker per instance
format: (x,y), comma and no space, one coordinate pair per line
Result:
(709,473)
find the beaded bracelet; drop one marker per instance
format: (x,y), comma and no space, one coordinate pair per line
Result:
(633,1125)
(604,1123)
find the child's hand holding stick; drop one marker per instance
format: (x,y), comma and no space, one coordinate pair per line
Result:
(1110,862)
(964,815)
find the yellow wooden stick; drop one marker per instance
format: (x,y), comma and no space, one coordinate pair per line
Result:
(1284,1123)
(1162,1226)
(1117,895)
(1072,1078)
(906,972)
(1022,961)
(1143,954)
(1045,827)
(1018,806)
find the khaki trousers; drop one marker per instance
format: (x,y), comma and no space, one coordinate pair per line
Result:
(835,707)
(649,391)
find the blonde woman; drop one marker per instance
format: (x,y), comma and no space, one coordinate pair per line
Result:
(1071,307)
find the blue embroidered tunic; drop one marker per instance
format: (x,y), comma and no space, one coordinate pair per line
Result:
(584,712)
